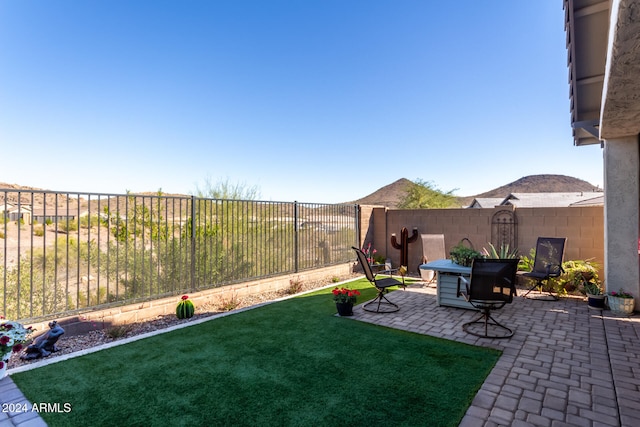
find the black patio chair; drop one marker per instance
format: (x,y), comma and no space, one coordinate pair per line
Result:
(547,264)
(381,303)
(490,287)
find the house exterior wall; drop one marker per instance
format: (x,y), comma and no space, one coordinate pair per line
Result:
(622,212)
(582,226)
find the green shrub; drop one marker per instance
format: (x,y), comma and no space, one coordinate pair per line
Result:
(118,331)
(464,255)
(38,230)
(502,253)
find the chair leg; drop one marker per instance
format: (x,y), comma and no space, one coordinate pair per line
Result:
(539,285)
(381,299)
(487,320)
(431,282)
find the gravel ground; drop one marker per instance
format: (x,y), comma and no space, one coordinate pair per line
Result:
(71,344)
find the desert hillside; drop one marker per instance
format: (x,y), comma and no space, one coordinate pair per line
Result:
(390,195)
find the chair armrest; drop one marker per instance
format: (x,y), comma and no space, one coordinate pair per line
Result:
(554,267)
(385,272)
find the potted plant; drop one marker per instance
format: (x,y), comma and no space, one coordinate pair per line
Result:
(595,297)
(464,255)
(344,299)
(621,303)
(12,337)
(576,273)
(503,252)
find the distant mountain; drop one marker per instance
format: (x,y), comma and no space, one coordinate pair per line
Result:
(541,184)
(391,195)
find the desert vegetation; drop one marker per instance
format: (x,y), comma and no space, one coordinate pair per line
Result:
(137,247)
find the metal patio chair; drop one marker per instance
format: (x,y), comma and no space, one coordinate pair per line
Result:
(490,287)
(381,303)
(432,250)
(547,264)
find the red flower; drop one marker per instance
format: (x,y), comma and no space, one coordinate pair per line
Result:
(336,291)
(4,339)
(1,364)
(17,348)
(185,297)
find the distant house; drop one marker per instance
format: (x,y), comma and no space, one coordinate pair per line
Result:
(542,200)
(5,208)
(43,216)
(27,214)
(23,212)
(486,202)
(596,201)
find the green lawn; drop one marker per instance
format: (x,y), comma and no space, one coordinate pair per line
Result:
(291,363)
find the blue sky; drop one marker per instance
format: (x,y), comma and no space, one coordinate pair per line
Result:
(316,101)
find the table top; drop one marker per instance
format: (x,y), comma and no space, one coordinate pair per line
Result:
(446,266)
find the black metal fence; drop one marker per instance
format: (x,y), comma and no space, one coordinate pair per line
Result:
(64,252)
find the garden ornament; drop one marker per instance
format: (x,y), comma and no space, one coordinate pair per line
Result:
(44,344)
(404,243)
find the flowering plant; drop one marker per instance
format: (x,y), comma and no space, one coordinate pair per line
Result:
(370,253)
(621,294)
(12,337)
(342,295)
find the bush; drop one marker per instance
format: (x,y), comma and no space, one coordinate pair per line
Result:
(38,230)
(463,255)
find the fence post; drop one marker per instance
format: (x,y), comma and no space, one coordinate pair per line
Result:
(296,228)
(193,243)
(356,219)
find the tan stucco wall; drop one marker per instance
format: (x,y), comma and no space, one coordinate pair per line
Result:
(583,227)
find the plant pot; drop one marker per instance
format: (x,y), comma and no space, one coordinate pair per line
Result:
(621,306)
(5,360)
(595,301)
(345,308)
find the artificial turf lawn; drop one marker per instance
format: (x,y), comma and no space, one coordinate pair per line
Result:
(291,363)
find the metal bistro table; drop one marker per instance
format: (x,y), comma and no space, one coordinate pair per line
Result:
(447,273)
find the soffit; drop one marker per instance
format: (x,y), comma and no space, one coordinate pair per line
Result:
(603,52)
(586,26)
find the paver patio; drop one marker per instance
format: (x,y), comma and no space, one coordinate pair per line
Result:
(566,365)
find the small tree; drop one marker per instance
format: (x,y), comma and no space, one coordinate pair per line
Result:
(224,190)
(422,195)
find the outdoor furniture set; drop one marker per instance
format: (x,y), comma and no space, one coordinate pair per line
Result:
(487,285)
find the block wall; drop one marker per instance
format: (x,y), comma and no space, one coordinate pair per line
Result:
(582,226)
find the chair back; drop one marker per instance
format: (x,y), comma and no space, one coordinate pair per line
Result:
(432,247)
(493,280)
(549,256)
(365,264)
